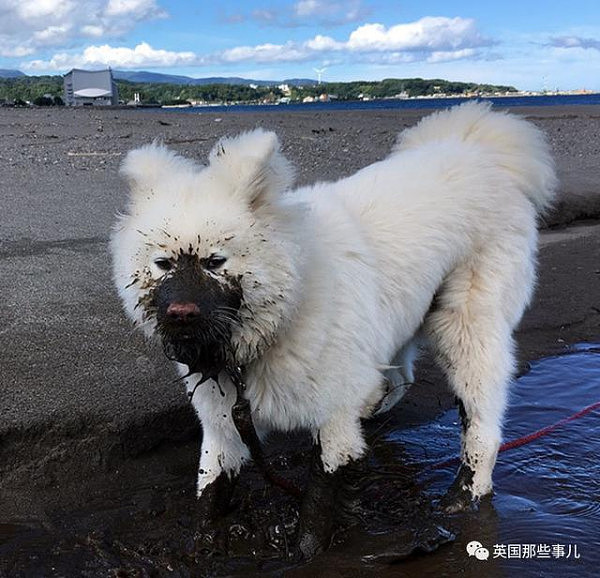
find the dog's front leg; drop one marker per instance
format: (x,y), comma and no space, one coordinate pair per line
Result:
(222,452)
(339,443)
(220,462)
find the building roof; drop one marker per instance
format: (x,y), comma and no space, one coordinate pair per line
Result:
(96,80)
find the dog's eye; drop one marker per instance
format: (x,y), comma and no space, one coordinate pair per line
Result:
(214,262)
(164,264)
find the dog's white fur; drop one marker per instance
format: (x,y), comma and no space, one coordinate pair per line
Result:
(340,278)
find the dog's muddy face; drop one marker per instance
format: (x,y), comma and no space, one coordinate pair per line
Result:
(208,258)
(196,309)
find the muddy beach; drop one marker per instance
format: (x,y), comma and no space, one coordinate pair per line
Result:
(98,446)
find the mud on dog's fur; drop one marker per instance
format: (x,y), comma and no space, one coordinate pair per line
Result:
(321,293)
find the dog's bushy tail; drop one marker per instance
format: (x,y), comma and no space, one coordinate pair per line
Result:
(517,145)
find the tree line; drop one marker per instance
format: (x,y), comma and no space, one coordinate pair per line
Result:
(48,90)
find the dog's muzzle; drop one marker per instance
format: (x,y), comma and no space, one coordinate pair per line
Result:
(201,353)
(195,317)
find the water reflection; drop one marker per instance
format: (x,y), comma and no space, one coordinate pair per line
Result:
(547,492)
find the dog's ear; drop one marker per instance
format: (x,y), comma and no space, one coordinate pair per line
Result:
(253,166)
(145,167)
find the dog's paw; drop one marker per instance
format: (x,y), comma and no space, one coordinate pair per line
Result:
(310,543)
(215,500)
(455,501)
(460,497)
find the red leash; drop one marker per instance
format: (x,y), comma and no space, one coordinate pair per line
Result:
(529,437)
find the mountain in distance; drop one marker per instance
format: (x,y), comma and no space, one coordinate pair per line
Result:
(7,73)
(142,76)
(151,77)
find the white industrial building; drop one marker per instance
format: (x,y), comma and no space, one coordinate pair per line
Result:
(90,88)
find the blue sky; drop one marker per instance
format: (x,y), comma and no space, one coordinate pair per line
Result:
(530,44)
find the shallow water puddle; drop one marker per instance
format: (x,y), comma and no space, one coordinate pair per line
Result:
(544,518)
(140,520)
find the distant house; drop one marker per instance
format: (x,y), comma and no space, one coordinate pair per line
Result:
(90,87)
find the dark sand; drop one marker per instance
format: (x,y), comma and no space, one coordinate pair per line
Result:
(93,434)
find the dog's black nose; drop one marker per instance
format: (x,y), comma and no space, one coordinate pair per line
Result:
(183,312)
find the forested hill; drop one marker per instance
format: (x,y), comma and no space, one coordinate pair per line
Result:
(30,88)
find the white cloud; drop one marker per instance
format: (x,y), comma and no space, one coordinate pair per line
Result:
(304,13)
(265,16)
(51,35)
(143,55)
(306,7)
(288,52)
(92,31)
(429,33)
(140,9)
(325,11)
(27,25)
(323,43)
(432,38)
(569,42)
(7,51)
(29,10)
(429,39)
(446,56)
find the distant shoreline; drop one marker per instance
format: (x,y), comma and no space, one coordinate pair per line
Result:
(587,99)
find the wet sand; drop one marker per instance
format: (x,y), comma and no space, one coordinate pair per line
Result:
(95,438)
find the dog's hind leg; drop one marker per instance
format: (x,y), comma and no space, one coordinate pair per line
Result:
(471,334)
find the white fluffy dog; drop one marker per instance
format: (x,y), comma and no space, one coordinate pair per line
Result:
(319,294)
